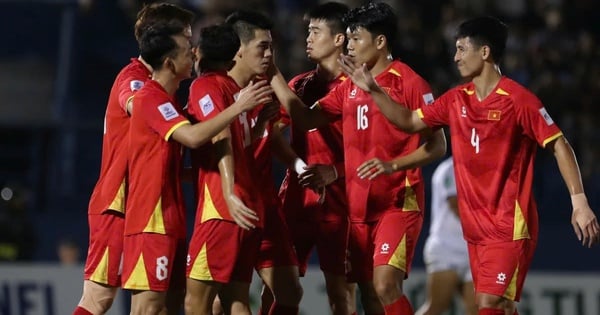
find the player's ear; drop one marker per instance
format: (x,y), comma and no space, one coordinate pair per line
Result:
(380,41)
(169,64)
(339,39)
(485,52)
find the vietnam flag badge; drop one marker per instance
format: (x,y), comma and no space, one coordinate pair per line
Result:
(494,114)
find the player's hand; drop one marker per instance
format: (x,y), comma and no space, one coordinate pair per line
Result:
(241,214)
(585,225)
(373,168)
(267,113)
(317,176)
(359,74)
(254,94)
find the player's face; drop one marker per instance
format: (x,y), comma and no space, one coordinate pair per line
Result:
(256,55)
(320,42)
(468,58)
(361,46)
(184,60)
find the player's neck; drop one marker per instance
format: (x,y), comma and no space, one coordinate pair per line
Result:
(380,65)
(149,67)
(328,69)
(241,76)
(166,80)
(486,82)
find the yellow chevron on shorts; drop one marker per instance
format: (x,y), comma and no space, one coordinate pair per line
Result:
(200,269)
(138,280)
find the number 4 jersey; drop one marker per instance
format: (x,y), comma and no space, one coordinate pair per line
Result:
(494,142)
(368,134)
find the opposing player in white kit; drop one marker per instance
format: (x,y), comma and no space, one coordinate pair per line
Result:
(446,255)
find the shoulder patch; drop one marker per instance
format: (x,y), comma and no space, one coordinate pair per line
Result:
(428,98)
(167,110)
(135,85)
(206,105)
(546,116)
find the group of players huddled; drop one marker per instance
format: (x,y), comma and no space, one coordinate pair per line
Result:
(362,124)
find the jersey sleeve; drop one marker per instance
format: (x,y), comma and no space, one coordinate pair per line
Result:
(163,117)
(436,113)
(535,120)
(207,100)
(417,92)
(128,85)
(332,104)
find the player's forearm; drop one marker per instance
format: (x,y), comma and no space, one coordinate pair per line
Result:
(193,136)
(397,114)
(301,115)
(226,166)
(434,148)
(282,149)
(567,164)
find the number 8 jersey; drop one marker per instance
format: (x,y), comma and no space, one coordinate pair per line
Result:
(367,134)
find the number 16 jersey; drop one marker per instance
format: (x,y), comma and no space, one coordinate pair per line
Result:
(367,134)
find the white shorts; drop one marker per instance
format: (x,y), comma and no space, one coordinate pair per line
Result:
(441,257)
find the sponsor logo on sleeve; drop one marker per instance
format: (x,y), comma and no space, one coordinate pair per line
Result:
(428,98)
(168,111)
(136,85)
(206,105)
(546,116)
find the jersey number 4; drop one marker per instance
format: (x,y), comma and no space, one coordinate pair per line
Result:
(362,121)
(475,140)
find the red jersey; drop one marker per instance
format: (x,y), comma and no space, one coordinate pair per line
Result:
(323,145)
(210,94)
(262,154)
(155,201)
(494,142)
(109,192)
(368,134)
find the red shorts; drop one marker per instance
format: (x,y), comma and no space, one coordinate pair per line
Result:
(105,249)
(500,268)
(276,249)
(222,251)
(330,238)
(389,241)
(153,262)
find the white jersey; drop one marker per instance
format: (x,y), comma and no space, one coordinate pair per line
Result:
(445,240)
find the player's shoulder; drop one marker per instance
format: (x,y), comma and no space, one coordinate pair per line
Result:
(135,68)
(402,70)
(302,77)
(135,72)
(515,91)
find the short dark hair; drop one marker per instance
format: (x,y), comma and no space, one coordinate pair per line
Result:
(157,43)
(486,30)
(332,13)
(376,17)
(246,22)
(218,44)
(162,13)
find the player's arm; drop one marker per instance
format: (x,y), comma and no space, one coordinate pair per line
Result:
(304,117)
(193,136)
(431,150)
(400,116)
(583,219)
(241,214)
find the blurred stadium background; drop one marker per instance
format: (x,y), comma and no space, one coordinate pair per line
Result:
(59,59)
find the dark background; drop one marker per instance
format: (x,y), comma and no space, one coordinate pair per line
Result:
(59,58)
